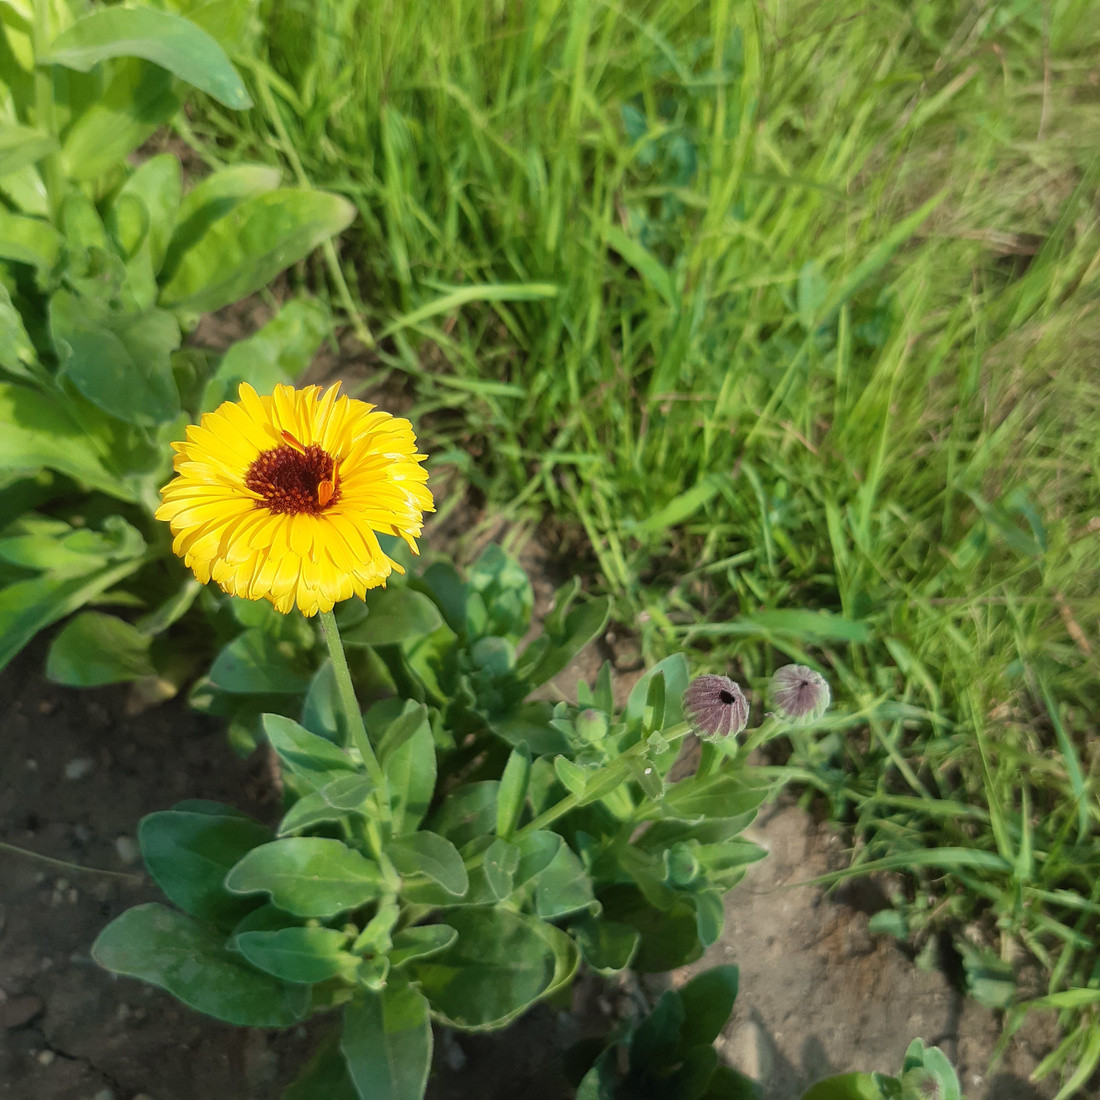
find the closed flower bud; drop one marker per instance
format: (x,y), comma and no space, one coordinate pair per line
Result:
(716,707)
(798,693)
(591,725)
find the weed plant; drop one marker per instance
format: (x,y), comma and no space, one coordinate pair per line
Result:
(787,305)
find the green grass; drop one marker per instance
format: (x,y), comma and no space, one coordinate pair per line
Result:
(791,307)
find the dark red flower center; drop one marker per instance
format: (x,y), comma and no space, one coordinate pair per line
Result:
(293,479)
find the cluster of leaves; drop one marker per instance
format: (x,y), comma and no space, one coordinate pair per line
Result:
(669,1055)
(103,268)
(519,837)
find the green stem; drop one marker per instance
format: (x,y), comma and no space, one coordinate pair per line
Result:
(621,764)
(352,715)
(45,118)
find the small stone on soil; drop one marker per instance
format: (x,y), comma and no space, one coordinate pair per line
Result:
(45,1057)
(79,768)
(127,850)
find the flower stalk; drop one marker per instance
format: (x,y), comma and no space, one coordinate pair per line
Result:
(353,719)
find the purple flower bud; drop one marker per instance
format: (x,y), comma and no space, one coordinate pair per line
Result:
(716,707)
(799,693)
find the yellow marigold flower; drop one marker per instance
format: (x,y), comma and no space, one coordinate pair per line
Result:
(279,497)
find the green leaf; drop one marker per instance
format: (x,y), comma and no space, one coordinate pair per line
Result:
(499,966)
(449,592)
(674,671)
(279,352)
(505,591)
(529,724)
(157,185)
(581,626)
(95,649)
(256,663)
(29,241)
(315,759)
(119,361)
(189,960)
(388,1043)
(729,1084)
(395,615)
(308,876)
(167,40)
(710,915)
(849,1086)
(574,778)
(311,809)
(812,290)
(607,945)
(321,711)
(500,862)
(249,246)
(680,508)
(420,942)
(567,956)
(468,811)
(189,854)
(668,936)
(655,1044)
(22,145)
(39,431)
(652,271)
(806,626)
(348,792)
(536,852)
(212,198)
(17,354)
(715,796)
(298,954)
(563,887)
(325,1076)
(708,1002)
(408,761)
(27,607)
(513,790)
(139,97)
(429,854)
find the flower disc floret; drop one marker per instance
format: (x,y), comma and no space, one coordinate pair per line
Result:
(280,497)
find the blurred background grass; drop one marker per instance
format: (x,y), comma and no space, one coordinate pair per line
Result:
(790,311)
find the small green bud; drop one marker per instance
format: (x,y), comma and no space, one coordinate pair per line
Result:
(591,725)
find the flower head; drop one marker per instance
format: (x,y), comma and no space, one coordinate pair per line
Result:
(799,693)
(716,707)
(279,497)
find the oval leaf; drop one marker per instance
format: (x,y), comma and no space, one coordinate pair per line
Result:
(387,1042)
(308,876)
(498,967)
(429,854)
(298,954)
(170,41)
(189,960)
(246,249)
(420,942)
(189,854)
(96,649)
(395,615)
